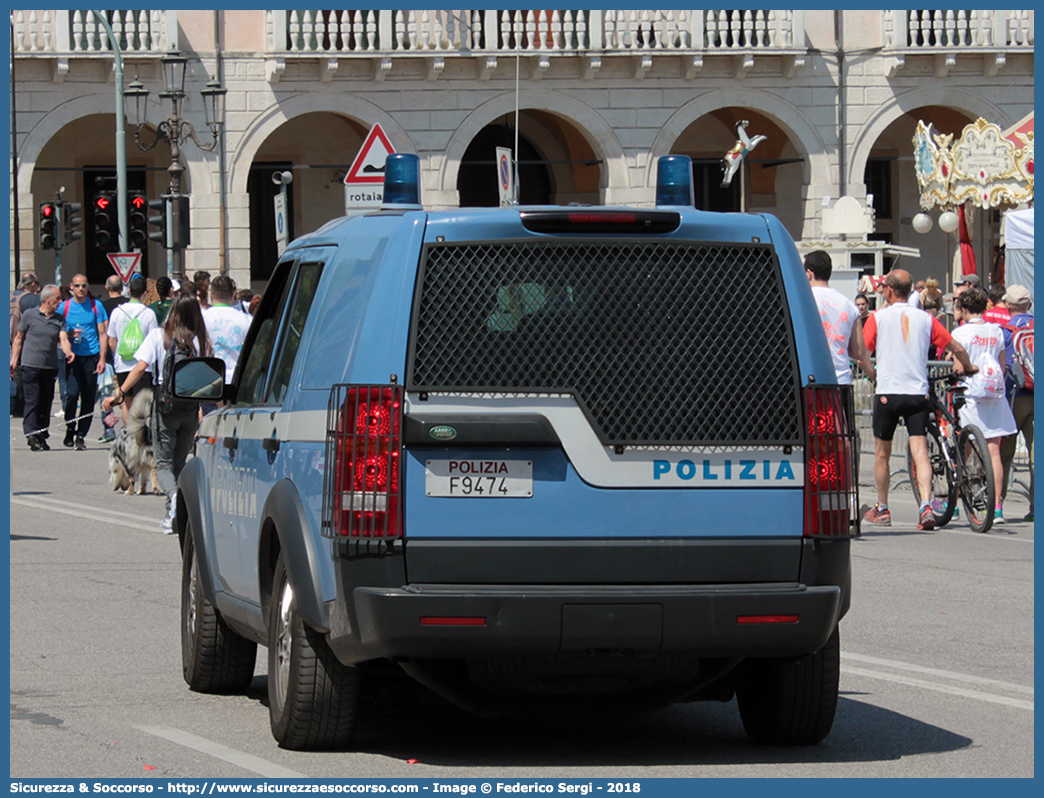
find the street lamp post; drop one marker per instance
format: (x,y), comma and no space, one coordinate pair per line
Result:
(176,131)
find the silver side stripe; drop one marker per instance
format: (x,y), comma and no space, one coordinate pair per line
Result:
(597,465)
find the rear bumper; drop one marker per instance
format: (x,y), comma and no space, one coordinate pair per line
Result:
(539,620)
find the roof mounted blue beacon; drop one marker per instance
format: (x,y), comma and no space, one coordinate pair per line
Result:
(674,182)
(401,182)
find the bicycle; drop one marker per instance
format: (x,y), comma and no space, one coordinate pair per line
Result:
(959,459)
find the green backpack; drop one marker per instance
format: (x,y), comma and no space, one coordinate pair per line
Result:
(131,338)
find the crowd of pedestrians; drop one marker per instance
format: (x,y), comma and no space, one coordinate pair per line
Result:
(68,335)
(77,339)
(902,335)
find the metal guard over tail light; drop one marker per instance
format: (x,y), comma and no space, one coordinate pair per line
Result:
(830,478)
(362,480)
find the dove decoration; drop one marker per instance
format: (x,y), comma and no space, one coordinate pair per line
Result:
(730,164)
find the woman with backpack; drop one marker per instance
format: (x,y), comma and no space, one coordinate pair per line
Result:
(986,405)
(175,421)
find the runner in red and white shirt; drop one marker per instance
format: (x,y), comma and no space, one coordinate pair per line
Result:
(900,335)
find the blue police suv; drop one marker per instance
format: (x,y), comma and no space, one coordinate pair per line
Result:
(583,455)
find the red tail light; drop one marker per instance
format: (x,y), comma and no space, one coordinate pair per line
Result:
(829,479)
(367,449)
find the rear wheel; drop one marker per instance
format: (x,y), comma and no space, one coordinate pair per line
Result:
(312,697)
(791,701)
(943,498)
(214,658)
(977,484)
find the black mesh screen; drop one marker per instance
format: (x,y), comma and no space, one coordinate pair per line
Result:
(660,343)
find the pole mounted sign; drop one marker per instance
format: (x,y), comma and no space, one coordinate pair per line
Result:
(364,183)
(505,177)
(124,263)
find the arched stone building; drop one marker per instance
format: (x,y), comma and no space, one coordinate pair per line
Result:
(600,96)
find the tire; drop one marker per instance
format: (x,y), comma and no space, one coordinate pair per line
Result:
(214,658)
(977,485)
(791,701)
(312,697)
(944,483)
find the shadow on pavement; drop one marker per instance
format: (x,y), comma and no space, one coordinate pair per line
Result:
(405,721)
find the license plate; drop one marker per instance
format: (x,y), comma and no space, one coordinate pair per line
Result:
(479,479)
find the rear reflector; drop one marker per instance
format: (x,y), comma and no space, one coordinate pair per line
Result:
(767,618)
(437,620)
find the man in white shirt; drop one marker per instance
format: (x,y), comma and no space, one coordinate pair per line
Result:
(118,324)
(226,326)
(900,335)
(840,318)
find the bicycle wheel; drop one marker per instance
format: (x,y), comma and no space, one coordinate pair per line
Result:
(976,482)
(943,498)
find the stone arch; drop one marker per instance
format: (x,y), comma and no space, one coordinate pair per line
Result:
(803,134)
(895,107)
(600,136)
(197,170)
(50,124)
(253,138)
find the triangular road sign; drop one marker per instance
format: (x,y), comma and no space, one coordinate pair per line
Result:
(368,166)
(124,263)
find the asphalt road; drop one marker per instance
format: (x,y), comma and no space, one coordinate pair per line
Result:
(937,667)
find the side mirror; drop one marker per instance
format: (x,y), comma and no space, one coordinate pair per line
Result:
(200,378)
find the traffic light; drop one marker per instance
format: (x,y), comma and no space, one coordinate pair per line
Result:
(183,235)
(160,221)
(137,220)
(70,221)
(166,233)
(106,225)
(48,225)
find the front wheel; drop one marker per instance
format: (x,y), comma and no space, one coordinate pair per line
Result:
(214,658)
(312,697)
(943,498)
(791,701)
(977,484)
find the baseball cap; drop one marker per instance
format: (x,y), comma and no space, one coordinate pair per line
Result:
(1017,295)
(968,279)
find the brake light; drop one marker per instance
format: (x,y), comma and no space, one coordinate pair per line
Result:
(600,221)
(367,450)
(829,479)
(601,218)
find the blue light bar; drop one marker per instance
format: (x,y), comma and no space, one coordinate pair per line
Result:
(402,181)
(674,182)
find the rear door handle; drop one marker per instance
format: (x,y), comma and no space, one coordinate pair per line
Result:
(270,444)
(231,443)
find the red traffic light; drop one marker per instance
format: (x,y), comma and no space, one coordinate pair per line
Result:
(47,210)
(102,203)
(138,202)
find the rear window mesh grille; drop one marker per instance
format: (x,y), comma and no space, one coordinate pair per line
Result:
(660,343)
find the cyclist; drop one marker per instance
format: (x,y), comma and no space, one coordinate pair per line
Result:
(900,335)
